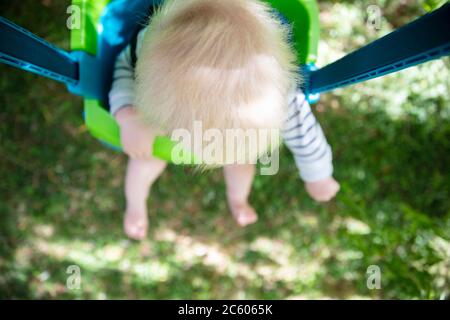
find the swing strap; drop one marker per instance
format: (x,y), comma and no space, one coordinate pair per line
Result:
(22,49)
(424,39)
(134,38)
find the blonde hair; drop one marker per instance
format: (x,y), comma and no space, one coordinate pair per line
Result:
(226,63)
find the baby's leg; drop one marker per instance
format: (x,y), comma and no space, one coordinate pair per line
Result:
(140,176)
(239,179)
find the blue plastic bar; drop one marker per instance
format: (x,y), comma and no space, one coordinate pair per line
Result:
(22,49)
(424,39)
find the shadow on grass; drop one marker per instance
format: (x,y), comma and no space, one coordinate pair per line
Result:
(298,248)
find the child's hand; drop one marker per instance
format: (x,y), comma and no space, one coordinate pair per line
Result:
(323,190)
(136,138)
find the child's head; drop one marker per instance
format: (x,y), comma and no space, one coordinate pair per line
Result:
(226,63)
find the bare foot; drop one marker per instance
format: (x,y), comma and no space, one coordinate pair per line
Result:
(243,213)
(136,224)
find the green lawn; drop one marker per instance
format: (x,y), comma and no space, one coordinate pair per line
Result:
(61,192)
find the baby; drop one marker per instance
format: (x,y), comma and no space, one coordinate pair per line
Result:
(228,64)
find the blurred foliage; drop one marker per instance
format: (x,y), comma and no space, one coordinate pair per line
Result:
(61,191)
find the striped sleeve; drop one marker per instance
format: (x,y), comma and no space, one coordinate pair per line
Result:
(304,137)
(122,89)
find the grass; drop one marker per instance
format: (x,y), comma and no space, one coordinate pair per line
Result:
(61,197)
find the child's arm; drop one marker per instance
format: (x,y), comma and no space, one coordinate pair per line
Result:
(306,140)
(136,137)
(122,89)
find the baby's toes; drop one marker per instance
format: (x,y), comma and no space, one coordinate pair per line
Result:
(136,232)
(245,215)
(135,227)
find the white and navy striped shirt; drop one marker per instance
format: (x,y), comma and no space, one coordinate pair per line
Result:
(301,133)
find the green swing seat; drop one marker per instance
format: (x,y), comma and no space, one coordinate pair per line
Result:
(105,25)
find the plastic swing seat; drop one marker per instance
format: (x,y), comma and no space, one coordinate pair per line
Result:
(106,29)
(108,25)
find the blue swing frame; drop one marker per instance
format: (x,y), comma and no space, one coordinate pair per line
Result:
(424,39)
